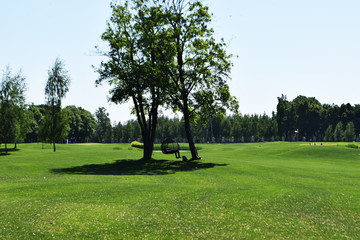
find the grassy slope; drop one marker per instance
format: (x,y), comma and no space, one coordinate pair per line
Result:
(272,190)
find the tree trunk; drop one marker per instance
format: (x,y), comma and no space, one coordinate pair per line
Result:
(148,150)
(194,154)
(54,147)
(6,150)
(148,138)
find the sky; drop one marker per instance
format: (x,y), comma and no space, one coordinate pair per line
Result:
(308,47)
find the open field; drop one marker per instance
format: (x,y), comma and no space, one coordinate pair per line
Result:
(238,191)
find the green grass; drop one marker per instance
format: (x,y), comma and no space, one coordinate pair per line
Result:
(238,191)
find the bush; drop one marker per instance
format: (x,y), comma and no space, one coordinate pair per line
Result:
(137,144)
(352,145)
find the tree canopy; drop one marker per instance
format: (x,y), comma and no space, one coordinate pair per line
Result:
(199,67)
(12,106)
(134,65)
(162,53)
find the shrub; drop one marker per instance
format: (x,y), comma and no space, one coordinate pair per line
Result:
(137,144)
(352,145)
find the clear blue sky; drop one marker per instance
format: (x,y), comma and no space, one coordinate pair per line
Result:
(308,47)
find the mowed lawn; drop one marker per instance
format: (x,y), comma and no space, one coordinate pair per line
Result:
(238,191)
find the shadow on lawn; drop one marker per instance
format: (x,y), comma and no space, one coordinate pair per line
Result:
(10,150)
(137,167)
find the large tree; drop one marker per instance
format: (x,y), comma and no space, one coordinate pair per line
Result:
(12,106)
(56,125)
(134,66)
(199,67)
(163,51)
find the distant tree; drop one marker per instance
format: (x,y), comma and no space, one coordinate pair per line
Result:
(12,105)
(339,132)
(329,134)
(350,132)
(225,128)
(24,120)
(36,114)
(55,126)
(81,124)
(236,129)
(307,115)
(128,131)
(285,117)
(356,119)
(103,129)
(118,132)
(273,129)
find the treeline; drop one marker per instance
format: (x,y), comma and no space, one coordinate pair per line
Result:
(306,118)
(302,119)
(83,126)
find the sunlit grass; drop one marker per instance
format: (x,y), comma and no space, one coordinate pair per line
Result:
(250,191)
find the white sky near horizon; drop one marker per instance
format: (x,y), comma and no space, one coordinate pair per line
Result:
(291,47)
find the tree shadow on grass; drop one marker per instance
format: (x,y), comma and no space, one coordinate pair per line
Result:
(137,167)
(10,150)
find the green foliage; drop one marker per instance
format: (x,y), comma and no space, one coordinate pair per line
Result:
(329,134)
(103,130)
(339,132)
(135,67)
(137,144)
(310,118)
(303,114)
(57,84)
(352,145)
(199,68)
(81,124)
(12,106)
(162,53)
(350,132)
(36,114)
(55,125)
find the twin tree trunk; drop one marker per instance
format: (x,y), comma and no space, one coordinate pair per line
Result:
(148,127)
(193,150)
(148,149)
(148,137)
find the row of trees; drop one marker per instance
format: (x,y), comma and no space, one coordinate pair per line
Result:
(82,126)
(303,119)
(86,127)
(307,118)
(16,120)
